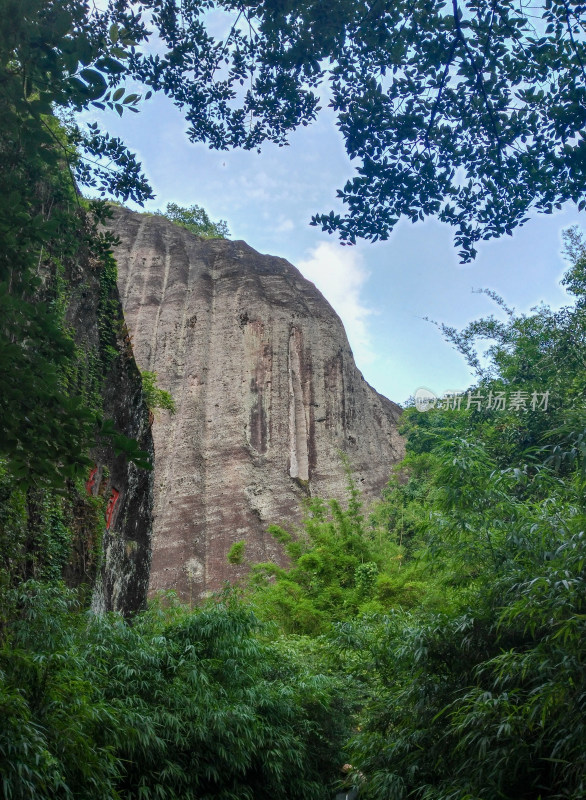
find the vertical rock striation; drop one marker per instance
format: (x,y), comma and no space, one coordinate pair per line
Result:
(267,396)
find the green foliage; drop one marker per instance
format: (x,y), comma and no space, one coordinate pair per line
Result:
(486,698)
(108,310)
(464,110)
(177,705)
(48,410)
(155,397)
(45,535)
(46,425)
(469,111)
(13,528)
(55,56)
(43,430)
(236,553)
(58,55)
(196,220)
(488,702)
(341,566)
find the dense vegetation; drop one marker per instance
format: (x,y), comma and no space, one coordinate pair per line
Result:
(181,704)
(458,609)
(436,644)
(488,699)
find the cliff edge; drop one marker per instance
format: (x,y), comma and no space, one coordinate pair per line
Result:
(267,396)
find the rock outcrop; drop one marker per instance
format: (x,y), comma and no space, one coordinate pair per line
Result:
(112,553)
(267,393)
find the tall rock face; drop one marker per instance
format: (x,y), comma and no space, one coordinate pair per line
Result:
(267,393)
(118,565)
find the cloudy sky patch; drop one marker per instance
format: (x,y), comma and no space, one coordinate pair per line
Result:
(340,275)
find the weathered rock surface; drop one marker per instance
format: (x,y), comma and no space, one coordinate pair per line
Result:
(118,567)
(267,396)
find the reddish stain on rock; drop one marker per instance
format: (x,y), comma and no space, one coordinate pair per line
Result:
(111,507)
(89,484)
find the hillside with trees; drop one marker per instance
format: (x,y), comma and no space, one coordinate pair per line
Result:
(436,645)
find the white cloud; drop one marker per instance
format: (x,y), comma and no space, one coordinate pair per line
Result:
(284,225)
(339,274)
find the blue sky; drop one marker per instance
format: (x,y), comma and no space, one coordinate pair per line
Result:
(383,291)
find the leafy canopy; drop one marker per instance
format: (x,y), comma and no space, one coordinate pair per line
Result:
(469,110)
(472,111)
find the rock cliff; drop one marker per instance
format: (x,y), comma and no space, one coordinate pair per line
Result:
(118,565)
(267,396)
